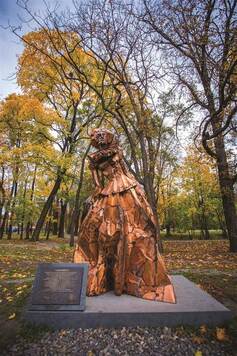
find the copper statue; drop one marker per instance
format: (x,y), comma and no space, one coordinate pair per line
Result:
(118,234)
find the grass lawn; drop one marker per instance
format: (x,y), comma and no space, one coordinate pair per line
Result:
(207,263)
(191,235)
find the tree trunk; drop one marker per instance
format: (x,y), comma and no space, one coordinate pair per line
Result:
(23,212)
(28,225)
(49,223)
(227,192)
(61,228)
(13,194)
(9,230)
(4,220)
(2,201)
(200,225)
(78,221)
(55,218)
(69,218)
(46,207)
(167,226)
(150,192)
(27,231)
(75,213)
(204,227)
(7,223)
(48,228)
(222,225)
(1,206)
(21,231)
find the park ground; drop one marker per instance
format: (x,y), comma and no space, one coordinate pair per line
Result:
(207,263)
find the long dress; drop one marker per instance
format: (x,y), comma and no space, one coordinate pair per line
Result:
(118,236)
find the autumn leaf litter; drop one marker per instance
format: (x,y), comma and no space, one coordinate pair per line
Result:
(123,341)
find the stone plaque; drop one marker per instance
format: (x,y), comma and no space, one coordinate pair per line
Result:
(60,286)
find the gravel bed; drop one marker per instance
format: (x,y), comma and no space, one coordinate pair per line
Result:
(124,341)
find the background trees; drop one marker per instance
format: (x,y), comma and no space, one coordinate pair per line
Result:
(139,71)
(42,71)
(198,42)
(190,197)
(24,124)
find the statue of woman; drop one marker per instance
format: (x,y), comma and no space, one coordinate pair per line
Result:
(118,234)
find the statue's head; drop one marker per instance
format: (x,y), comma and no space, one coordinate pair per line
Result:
(102,138)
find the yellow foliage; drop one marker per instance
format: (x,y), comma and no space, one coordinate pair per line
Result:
(192,185)
(198,353)
(43,67)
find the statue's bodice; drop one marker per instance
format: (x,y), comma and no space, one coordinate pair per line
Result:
(117,176)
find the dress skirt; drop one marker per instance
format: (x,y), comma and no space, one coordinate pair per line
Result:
(118,240)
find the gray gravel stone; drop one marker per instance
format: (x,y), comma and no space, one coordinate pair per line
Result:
(124,341)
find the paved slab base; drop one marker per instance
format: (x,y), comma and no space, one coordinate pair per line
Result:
(193,307)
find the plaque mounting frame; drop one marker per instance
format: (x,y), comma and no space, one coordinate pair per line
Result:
(43,268)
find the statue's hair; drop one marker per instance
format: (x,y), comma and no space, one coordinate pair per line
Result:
(112,139)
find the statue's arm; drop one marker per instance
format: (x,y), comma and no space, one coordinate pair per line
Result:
(102,154)
(94,172)
(95,176)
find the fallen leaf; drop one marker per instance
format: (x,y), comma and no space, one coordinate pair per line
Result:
(90,353)
(63,333)
(12,316)
(198,353)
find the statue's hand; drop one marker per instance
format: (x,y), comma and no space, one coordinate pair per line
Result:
(103,154)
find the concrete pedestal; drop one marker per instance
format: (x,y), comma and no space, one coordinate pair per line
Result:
(193,307)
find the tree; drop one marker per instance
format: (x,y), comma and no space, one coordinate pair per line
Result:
(42,71)
(126,81)
(126,75)
(190,197)
(23,124)
(198,40)
(199,180)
